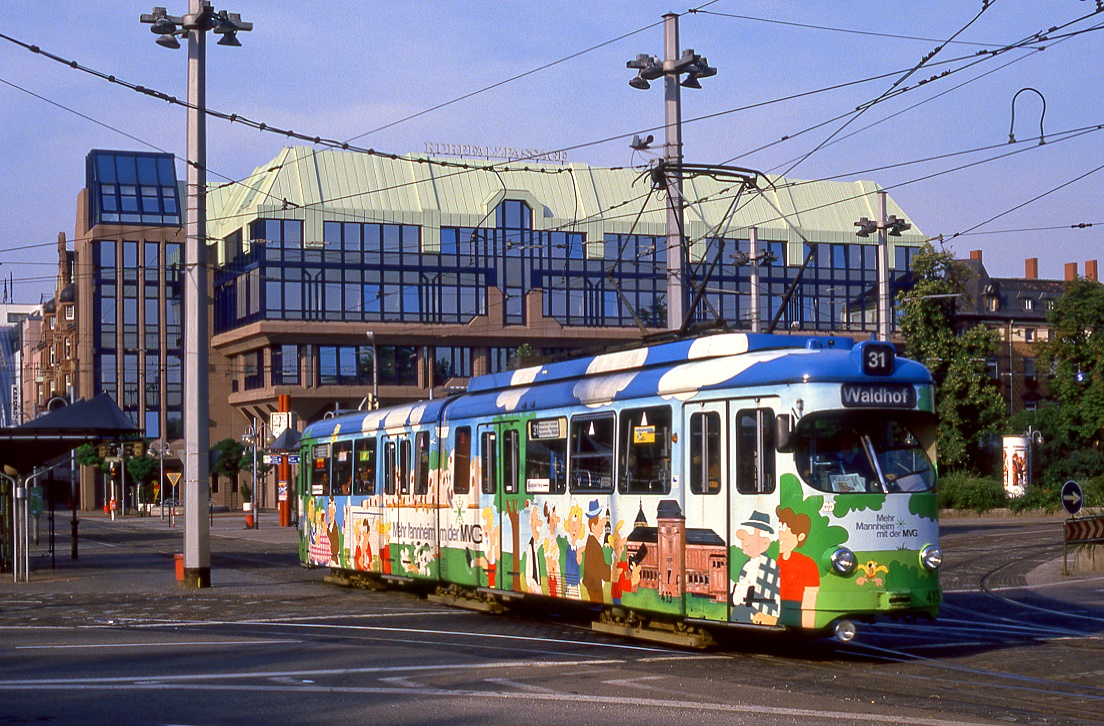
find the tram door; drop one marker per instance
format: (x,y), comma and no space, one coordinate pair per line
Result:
(706,486)
(396,491)
(485,558)
(753,521)
(510,499)
(500,456)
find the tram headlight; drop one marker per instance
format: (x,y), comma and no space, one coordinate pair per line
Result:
(843,561)
(931,557)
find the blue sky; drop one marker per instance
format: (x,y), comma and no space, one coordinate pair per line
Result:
(340,70)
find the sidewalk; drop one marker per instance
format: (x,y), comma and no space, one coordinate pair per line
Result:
(136,555)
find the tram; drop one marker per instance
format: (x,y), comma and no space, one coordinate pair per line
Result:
(766,481)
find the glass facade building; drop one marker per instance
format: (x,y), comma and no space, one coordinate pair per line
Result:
(342,273)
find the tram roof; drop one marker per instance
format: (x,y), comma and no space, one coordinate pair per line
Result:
(676,370)
(665,354)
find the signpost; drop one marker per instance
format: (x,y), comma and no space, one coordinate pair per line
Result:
(173,477)
(1078,531)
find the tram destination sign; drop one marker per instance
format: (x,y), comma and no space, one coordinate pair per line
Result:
(878,395)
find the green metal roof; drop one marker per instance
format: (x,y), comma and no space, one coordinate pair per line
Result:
(330,185)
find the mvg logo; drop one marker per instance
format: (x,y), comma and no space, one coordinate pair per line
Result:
(865,395)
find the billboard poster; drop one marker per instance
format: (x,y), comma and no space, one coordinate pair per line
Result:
(1017,465)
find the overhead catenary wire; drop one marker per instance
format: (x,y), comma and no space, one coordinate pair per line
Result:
(392,155)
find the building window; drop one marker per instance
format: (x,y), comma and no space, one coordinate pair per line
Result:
(1029,368)
(70,312)
(993,367)
(252,375)
(992,303)
(1031,405)
(1029,335)
(1028,304)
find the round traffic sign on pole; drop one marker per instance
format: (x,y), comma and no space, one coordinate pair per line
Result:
(1071,497)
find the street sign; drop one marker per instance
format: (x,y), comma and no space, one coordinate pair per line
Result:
(1072,497)
(293,458)
(279,421)
(272,458)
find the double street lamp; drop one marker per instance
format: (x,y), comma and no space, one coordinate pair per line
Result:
(161,450)
(252,437)
(201,18)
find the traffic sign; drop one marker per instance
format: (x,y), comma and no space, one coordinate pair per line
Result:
(293,458)
(1072,497)
(173,477)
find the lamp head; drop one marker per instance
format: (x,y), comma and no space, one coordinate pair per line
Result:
(639,83)
(168,41)
(163,26)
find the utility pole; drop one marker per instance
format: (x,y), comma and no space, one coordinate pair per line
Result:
(671,68)
(201,17)
(753,255)
(885,226)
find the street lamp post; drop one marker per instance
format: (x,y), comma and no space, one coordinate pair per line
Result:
(162,450)
(375,370)
(201,18)
(893,227)
(251,436)
(671,69)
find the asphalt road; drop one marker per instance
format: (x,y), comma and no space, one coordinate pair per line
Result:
(111,638)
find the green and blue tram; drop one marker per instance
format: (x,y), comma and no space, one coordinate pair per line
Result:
(741,479)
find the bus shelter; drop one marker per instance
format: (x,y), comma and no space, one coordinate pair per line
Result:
(26,450)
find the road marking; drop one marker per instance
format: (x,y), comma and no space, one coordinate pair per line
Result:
(405,682)
(530,687)
(462,633)
(414,631)
(123,680)
(635,682)
(629,702)
(156,644)
(661,658)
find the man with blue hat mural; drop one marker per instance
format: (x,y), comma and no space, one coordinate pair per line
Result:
(596,570)
(754,594)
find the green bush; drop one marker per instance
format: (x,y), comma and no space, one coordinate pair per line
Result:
(963,490)
(1038,496)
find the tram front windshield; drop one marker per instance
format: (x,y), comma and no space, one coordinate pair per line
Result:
(872,451)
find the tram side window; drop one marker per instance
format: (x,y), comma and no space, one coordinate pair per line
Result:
(510,455)
(487,462)
(755,451)
(645,451)
(421,463)
(342,468)
(592,441)
(461,461)
(705,453)
(546,456)
(364,462)
(320,470)
(390,470)
(403,471)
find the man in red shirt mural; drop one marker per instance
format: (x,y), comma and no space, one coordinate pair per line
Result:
(800,576)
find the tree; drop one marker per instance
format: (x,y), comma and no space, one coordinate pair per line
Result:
(1074,355)
(969,407)
(228,461)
